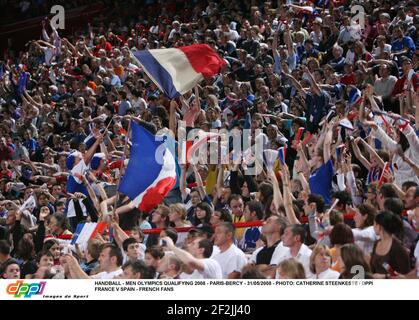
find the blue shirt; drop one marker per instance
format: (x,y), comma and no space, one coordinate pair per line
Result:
(406,42)
(316,108)
(250,237)
(321,181)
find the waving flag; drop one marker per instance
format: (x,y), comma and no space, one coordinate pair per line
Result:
(177,70)
(355,97)
(151,171)
(74,181)
(86,231)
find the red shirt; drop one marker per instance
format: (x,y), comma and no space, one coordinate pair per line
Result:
(6,153)
(348,79)
(6,174)
(399,87)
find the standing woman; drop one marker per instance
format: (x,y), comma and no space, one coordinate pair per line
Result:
(321,176)
(388,250)
(364,233)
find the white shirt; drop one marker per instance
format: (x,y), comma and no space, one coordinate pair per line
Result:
(212,270)
(377,51)
(231,260)
(365,238)
(328,274)
(303,256)
(107,275)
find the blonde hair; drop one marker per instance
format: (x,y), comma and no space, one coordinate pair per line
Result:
(293,269)
(318,249)
(180,209)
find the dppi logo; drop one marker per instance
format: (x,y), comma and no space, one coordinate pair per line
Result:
(27,290)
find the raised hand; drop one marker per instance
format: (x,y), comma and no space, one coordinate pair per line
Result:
(44,213)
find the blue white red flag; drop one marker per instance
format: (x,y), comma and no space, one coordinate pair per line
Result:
(151,171)
(282,153)
(177,70)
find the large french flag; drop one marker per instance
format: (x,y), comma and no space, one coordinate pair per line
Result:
(151,171)
(177,70)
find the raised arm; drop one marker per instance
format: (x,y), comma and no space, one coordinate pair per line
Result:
(289,209)
(277,196)
(92,150)
(373,153)
(314,85)
(358,153)
(185,256)
(296,84)
(328,141)
(199,182)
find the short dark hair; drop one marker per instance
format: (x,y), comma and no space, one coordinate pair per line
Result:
(343,196)
(390,222)
(256,206)
(234,197)
(114,252)
(298,230)
(44,253)
(155,251)
(127,242)
(368,210)
(318,200)
(408,184)
(388,191)
(341,234)
(394,205)
(139,267)
(207,245)
(6,264)
(225,215)
(4,247)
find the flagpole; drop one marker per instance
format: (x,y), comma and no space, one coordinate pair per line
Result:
(122,169)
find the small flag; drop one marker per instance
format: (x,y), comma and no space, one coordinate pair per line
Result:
(282,153)
(386,169)
(355,97)
(297,138)
(86,231)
